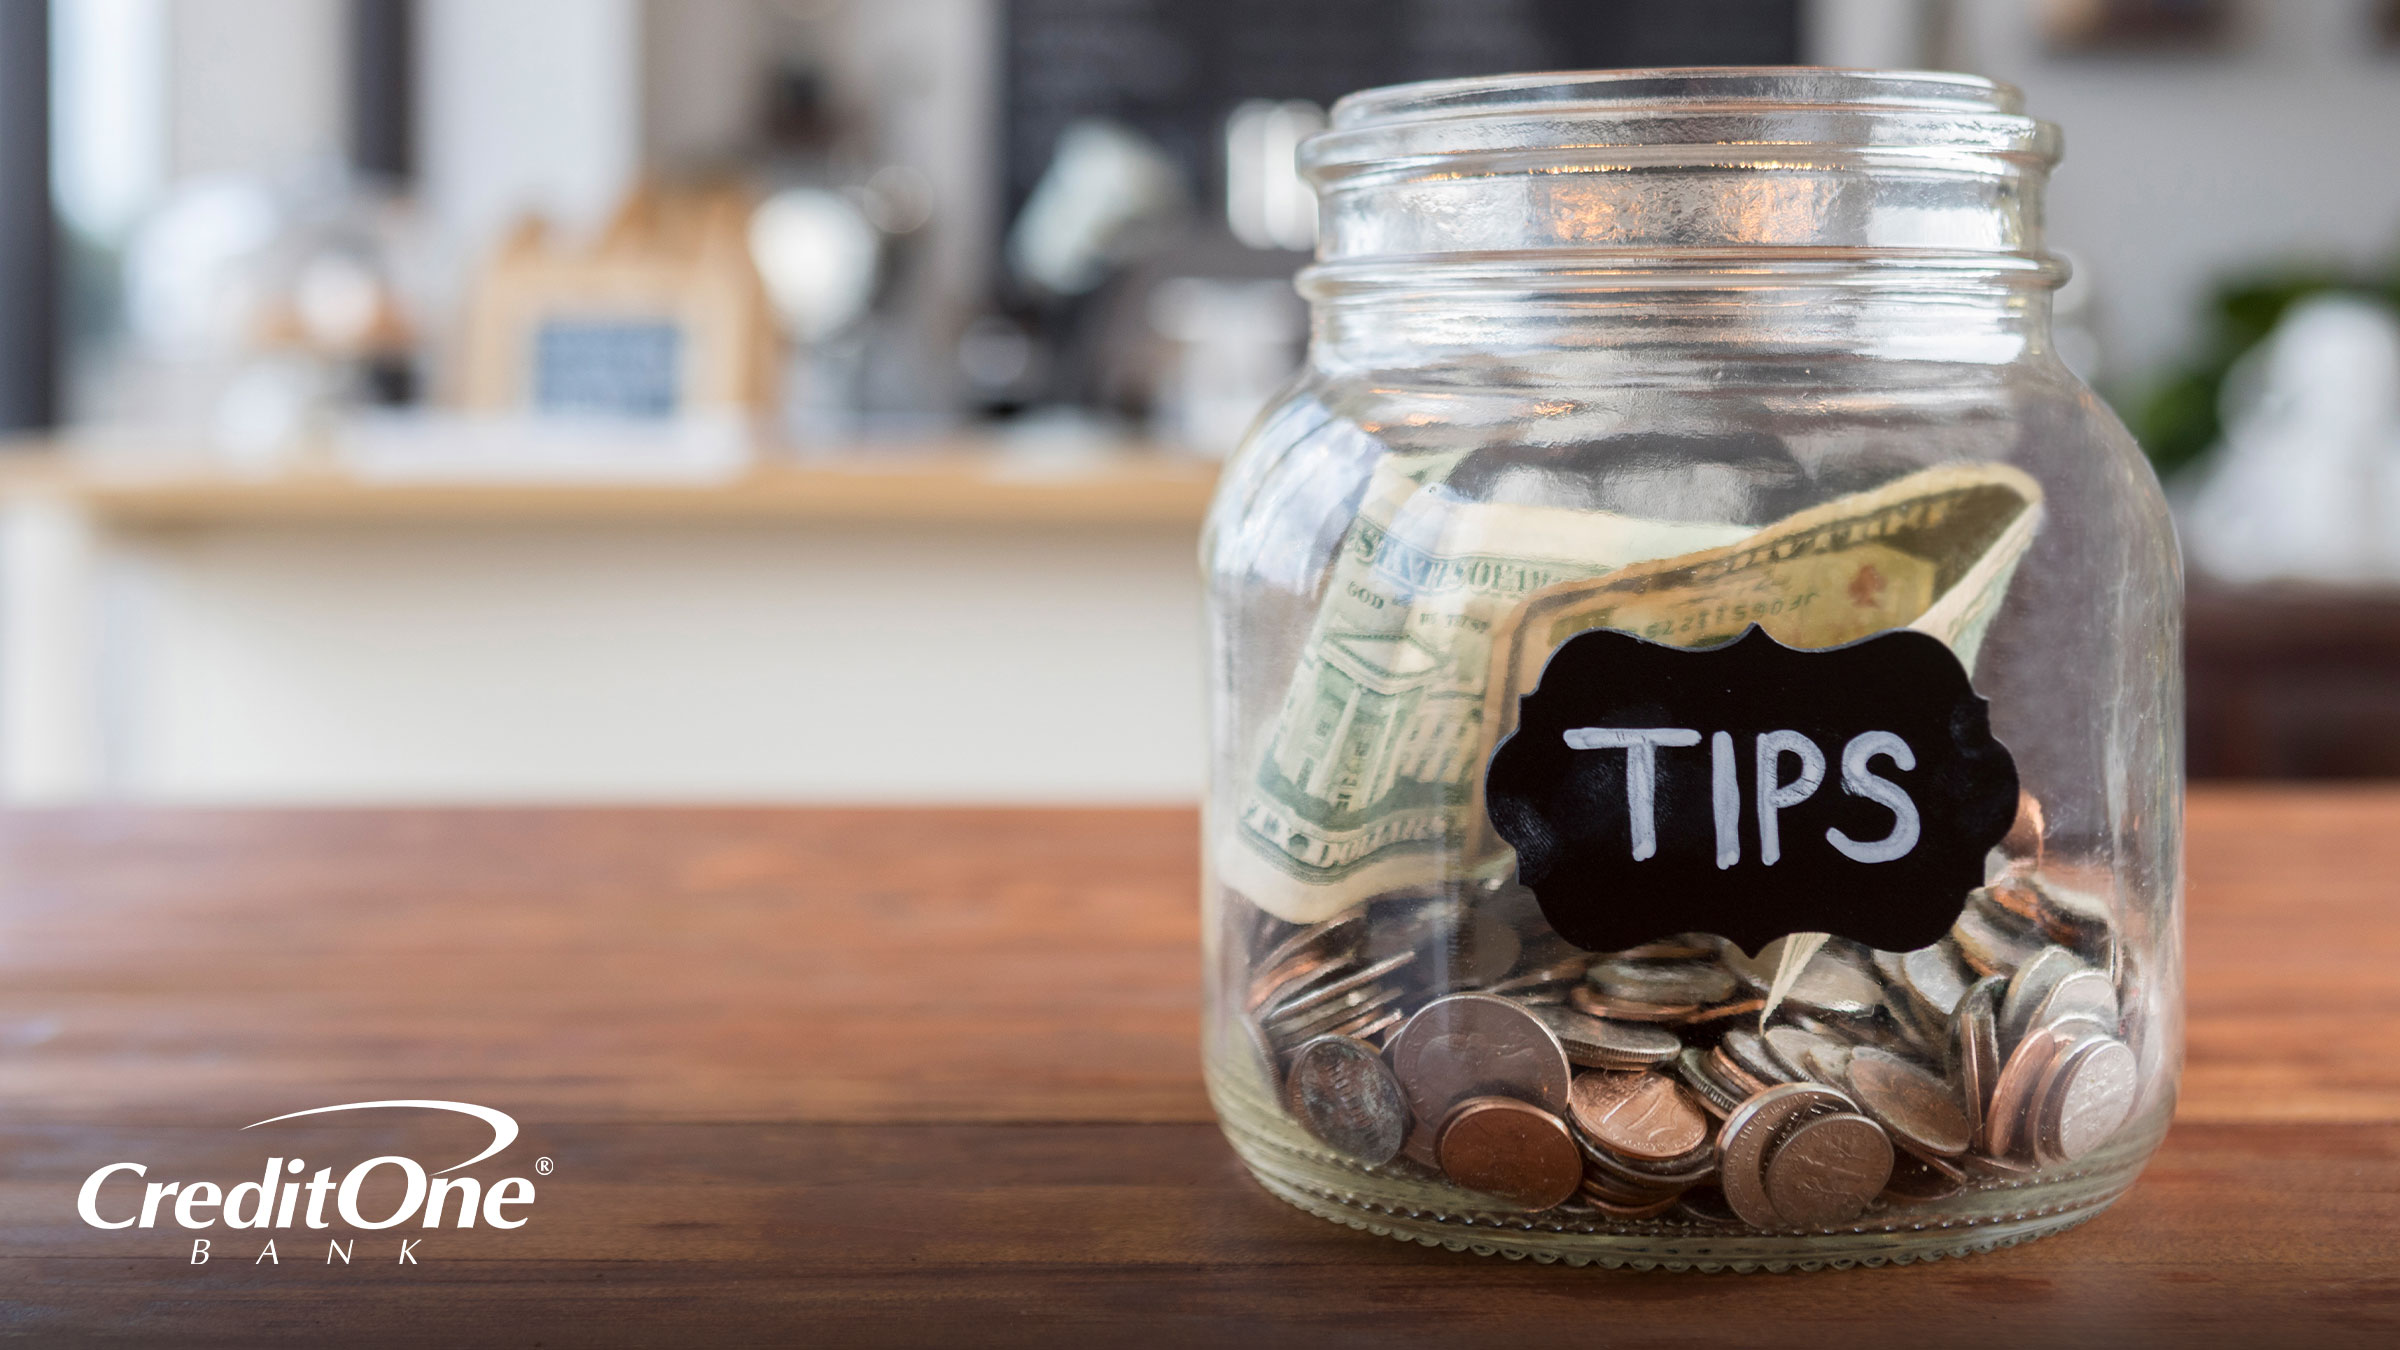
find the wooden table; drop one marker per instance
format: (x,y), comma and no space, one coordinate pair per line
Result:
(913,1077)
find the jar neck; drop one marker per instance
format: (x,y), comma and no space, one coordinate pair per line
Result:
(1675,318)
(1721,214)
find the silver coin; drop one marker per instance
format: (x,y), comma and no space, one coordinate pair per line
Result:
(1291,1029)
(1692,1067)
(2086,995)
(1919,1108)
(1598,1043)
(1936,978)
(1335,937)
(1748,1050)
(2077,919)
(1331,985)
(2089,1096)
(1478,1045)
(1663,982)
(2027,988)
(1793,1046)
(1747,1134)
(1836,983)
(1345,1094)
(1990,939)
(1826,1170)
(1975,1054)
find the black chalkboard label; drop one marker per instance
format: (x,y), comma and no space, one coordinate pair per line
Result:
(1752,790)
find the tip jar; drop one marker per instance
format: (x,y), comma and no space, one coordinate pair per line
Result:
(1694,689)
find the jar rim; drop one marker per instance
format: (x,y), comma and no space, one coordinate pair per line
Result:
(1619,91)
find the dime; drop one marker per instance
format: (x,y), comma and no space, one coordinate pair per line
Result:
(1351,1006)
(2089,1095)
(1936,978)
(2029,986)
(1597,1043)
(1556,970)
(1747,1049)
(1335,937)
(1295,970)
(1975,1054)
(1792,1046)
(1644,1115)
(1829,1063)
(1692,1067)
(1991,942)
(1477,1045)
(1343,1092)
(1662,983)
(1919,1109)
(1590,1000)
(1370,1025)
(1826,1170)
(1512,1149)
(1917,1028)
(1744,1139)
(1837,983)
(1458,943)
(2086,995)
(1681,947)
(1739,1080)
(1332,985)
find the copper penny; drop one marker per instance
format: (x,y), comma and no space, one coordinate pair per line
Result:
(1991,941)
(2082,921)
(1504,1147)
(2023,843)
(2009,1122)
(1645,1116)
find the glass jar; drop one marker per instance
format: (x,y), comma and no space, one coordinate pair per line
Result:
(1694,688)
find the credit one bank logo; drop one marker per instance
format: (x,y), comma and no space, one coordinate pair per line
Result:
(121,1195)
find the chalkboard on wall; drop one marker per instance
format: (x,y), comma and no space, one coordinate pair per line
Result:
(1172,69)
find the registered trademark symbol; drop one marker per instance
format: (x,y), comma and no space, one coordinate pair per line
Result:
(543,1165)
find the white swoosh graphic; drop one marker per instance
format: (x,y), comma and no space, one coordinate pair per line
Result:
(504,1126)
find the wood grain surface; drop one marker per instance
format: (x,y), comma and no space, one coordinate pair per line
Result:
(913,1077)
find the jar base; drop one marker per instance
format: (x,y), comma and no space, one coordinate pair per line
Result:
(1394,1202)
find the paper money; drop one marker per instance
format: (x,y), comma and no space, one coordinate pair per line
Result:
(1366,775)
(1440,614)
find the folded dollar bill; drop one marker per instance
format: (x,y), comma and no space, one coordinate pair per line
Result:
(1440,613)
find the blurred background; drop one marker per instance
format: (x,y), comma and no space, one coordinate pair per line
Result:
(482,400)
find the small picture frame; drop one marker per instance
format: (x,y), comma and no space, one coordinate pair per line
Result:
(662,317)
(2136,27)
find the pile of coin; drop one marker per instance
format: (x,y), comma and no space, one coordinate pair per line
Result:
(1455,1034)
